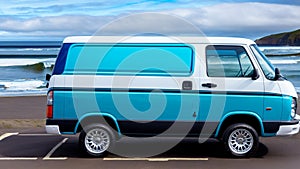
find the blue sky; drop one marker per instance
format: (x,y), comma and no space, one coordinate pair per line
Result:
(56,19)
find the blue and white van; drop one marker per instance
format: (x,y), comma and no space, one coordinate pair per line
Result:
(109,87)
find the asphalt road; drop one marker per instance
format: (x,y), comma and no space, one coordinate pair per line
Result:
(37,150)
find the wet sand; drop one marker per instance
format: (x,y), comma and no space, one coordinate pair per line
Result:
(26,107)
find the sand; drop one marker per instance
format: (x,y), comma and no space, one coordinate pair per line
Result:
(26,107)
(22,113)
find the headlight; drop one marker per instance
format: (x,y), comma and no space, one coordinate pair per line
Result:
(294,108)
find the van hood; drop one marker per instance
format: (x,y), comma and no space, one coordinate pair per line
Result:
(287,88)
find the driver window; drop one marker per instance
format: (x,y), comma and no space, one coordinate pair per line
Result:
(228,61)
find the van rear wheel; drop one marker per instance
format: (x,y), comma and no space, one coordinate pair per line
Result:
(241,140)
(96,140)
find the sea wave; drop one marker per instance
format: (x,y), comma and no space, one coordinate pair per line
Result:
(46,63)
(298,90)
(284,62)
(278,51)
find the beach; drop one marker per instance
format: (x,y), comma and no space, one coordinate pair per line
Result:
(22,113)
(25,107)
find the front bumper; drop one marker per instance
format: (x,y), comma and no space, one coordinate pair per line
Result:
(286,130)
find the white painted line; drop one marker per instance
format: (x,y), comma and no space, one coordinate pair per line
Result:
(17,158)
(55,158)
(54,149)
(37,134)
(4,136)
(155,159)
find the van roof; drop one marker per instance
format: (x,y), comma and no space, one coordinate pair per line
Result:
(156,39)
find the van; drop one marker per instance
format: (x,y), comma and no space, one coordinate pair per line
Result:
(109,87)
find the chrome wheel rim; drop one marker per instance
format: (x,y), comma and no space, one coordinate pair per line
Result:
(240,141)
(97,141)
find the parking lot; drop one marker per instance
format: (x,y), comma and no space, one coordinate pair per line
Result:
(35,146)
(39,150)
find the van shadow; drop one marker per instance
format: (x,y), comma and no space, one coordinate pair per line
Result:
(127,147)
(158,148)
(169,148)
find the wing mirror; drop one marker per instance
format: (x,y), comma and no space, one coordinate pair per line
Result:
(48,76)
(255,75)
(277,74)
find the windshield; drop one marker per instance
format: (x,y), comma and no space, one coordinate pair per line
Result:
(264,63)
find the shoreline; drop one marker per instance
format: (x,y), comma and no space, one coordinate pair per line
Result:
(282,55)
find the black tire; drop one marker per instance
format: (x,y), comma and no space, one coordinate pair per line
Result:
(241,140)
(96,140)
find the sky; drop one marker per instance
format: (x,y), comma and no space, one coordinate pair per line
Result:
(56,19)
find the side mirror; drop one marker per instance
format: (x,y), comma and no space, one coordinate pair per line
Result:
(255,75)
(48,76)
(277,74)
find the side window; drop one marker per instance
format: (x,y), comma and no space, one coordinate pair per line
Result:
(131,59)
(228,61)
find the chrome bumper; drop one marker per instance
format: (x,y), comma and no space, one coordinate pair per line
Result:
(52,129)
(286,130)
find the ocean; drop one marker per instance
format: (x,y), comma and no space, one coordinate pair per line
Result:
(23,65)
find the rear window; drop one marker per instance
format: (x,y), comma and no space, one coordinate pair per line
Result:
(129,59)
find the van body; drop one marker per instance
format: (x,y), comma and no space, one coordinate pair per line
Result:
(108,87)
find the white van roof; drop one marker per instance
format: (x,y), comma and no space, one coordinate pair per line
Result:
(156,39)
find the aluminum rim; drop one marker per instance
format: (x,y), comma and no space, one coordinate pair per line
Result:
(240,141)
(97,141)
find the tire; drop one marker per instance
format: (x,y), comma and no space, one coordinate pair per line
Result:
(96,140)
(241,140)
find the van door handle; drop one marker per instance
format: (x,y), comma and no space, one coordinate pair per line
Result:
(209,85)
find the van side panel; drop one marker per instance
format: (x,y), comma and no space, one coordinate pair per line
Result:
(142,112)
(59,107)
(275,104)
(140,108)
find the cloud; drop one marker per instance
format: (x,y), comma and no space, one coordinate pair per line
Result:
(227,19)
(249,19)
(56,25)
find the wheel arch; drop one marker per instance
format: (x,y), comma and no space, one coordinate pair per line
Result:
(249,118)
(101,118)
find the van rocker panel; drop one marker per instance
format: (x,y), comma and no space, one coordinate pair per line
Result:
(164,128)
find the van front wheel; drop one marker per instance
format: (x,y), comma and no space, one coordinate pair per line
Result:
(241,140)
(95,140)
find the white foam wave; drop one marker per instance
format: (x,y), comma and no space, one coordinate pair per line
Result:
(298,89)
(31,49)
(284,62)
(22,84)
(280,50)
(22,87)
(26,62)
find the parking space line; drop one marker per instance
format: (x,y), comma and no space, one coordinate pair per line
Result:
(4,136)
(17,158)
(55,158)
(48,156)
(155,159)
(37,134)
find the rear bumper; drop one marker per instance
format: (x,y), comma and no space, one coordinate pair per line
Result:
(52,129)
(60,126)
